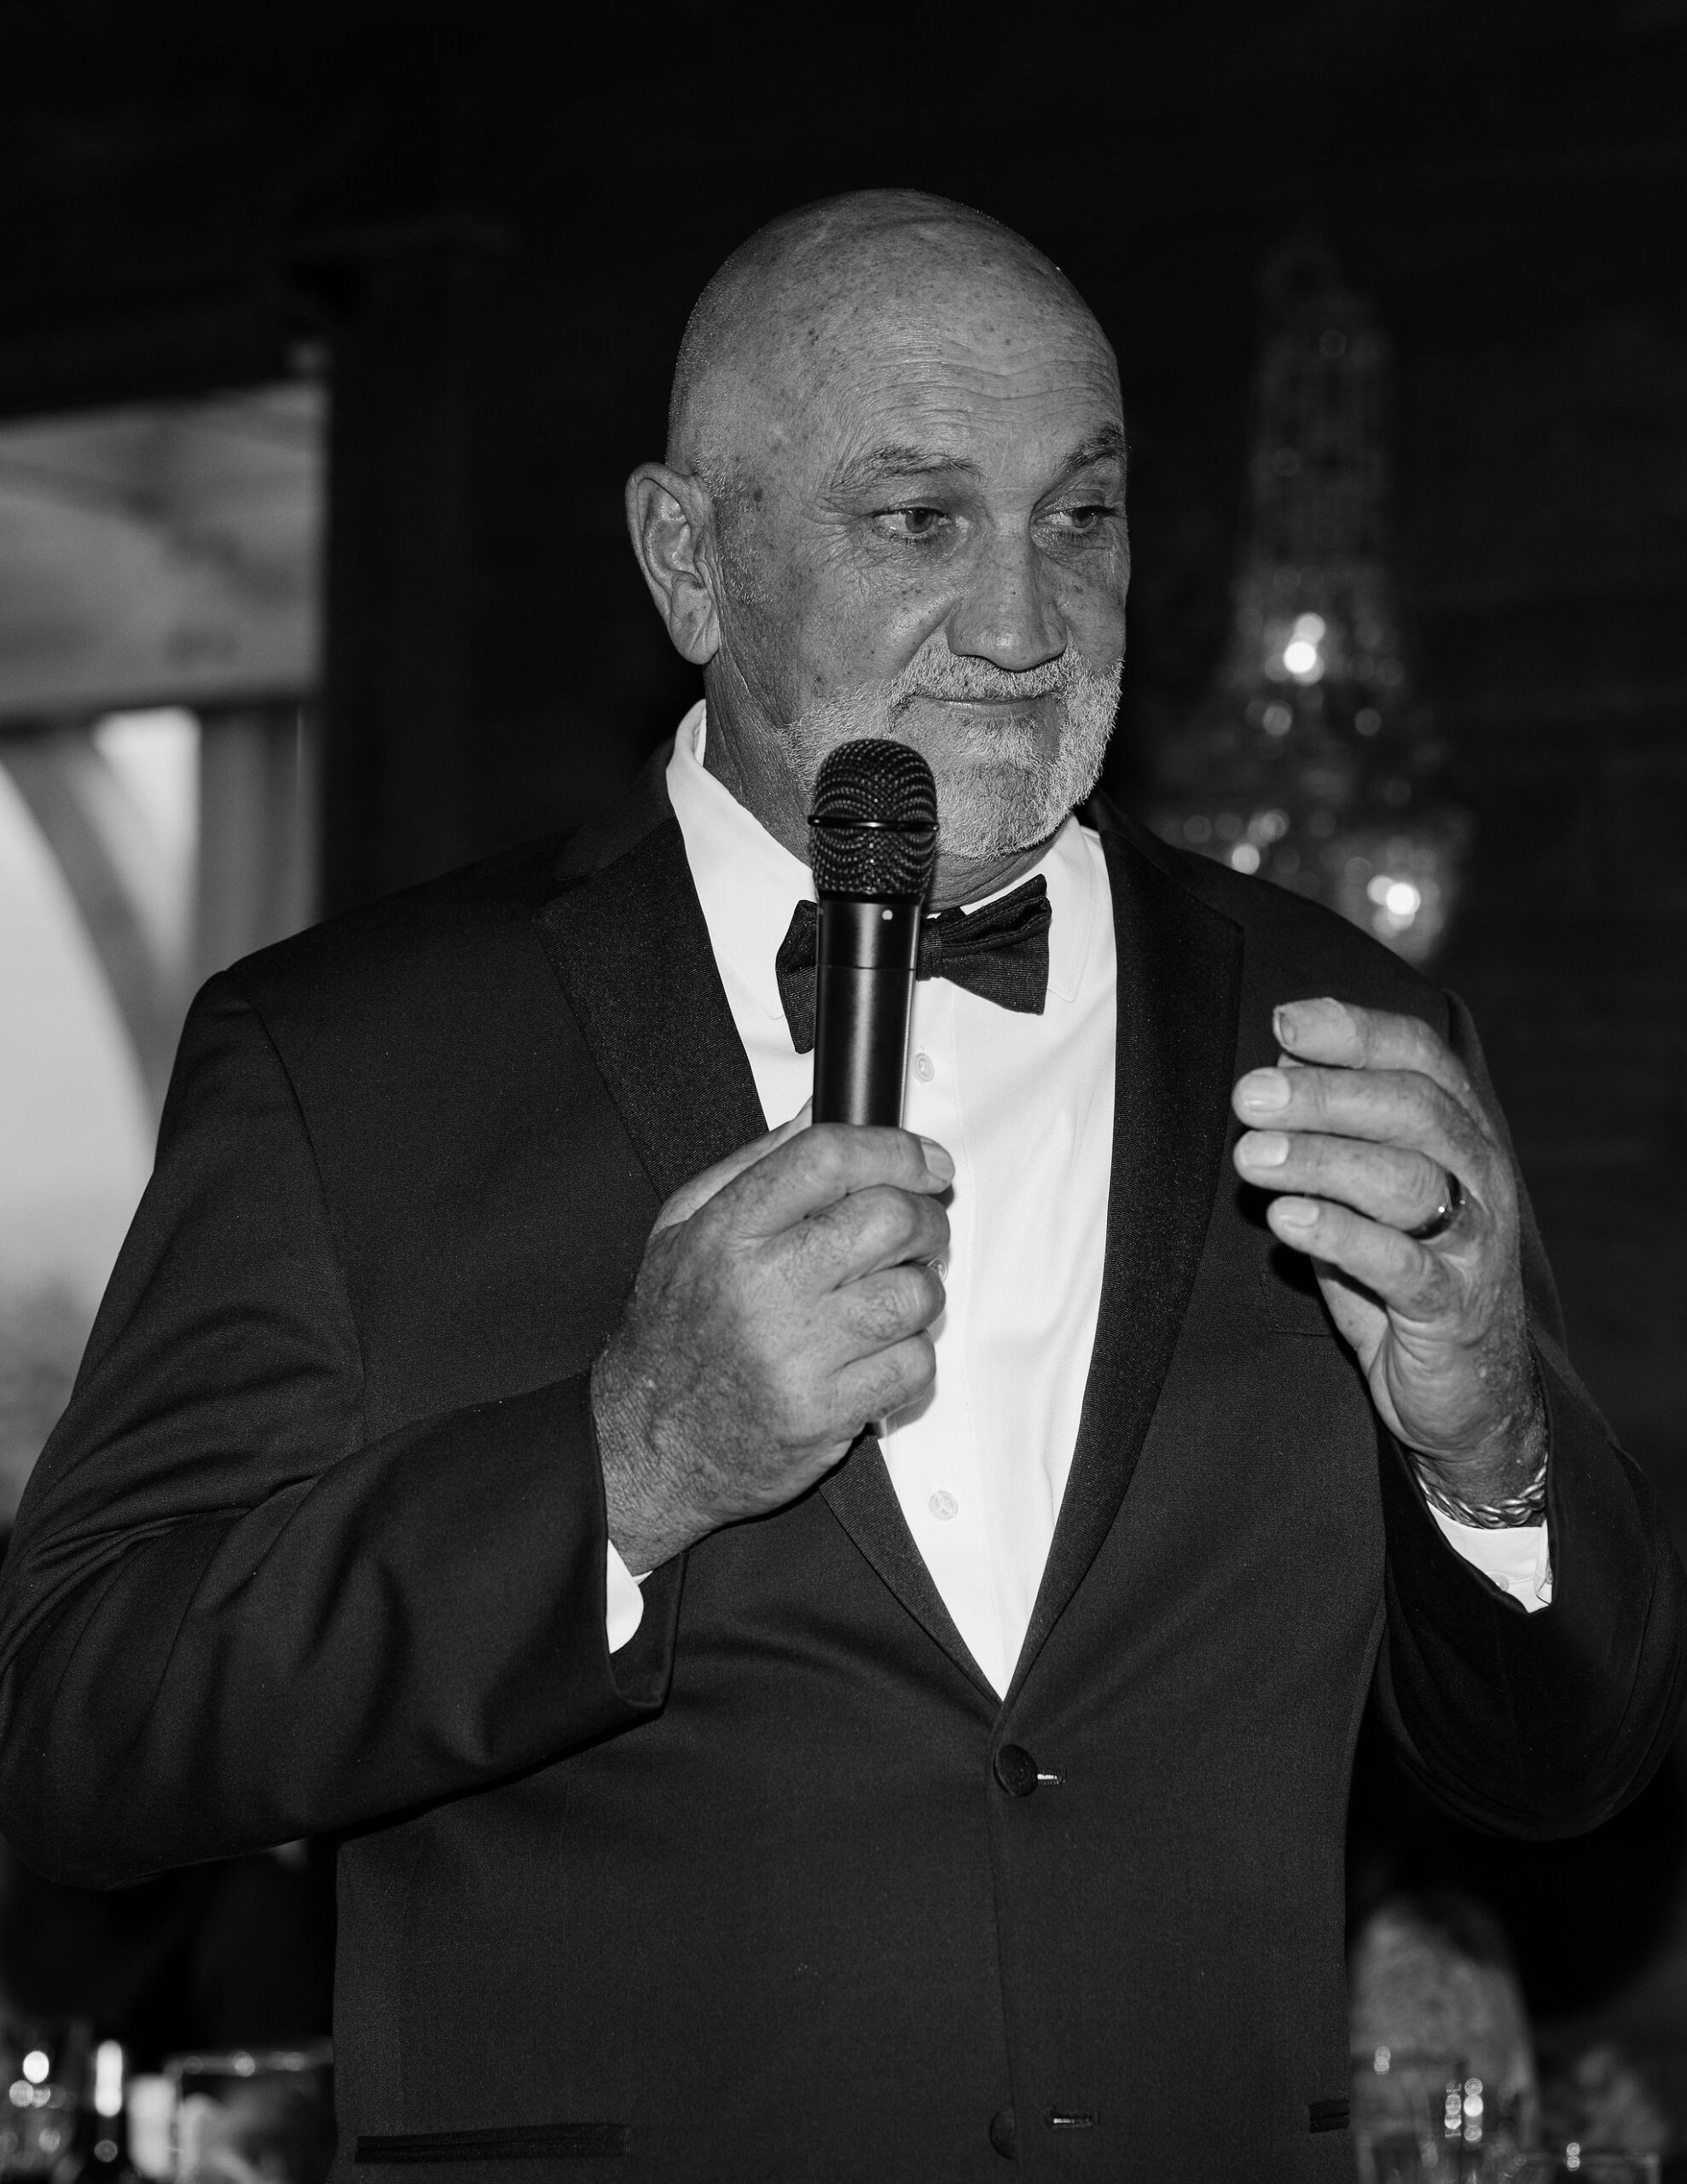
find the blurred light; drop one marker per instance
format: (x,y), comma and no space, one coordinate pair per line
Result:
(1367,720)
(1268,825)
(1399,900)
(1279,719)
(151,2104)
(1303,654)
(1245,857)
(35,2065)
(108,2078)
(1198,828)
(156,757)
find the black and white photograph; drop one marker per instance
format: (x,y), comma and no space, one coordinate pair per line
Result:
(843,1093)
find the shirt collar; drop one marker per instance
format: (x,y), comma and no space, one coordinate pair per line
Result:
(748,883)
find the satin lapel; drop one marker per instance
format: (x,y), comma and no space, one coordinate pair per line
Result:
(1179,978)
(860,1494)
(630,948)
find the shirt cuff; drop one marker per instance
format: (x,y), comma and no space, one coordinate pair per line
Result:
(623,1603)
(1515,1556)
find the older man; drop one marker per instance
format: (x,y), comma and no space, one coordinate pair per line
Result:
(724,1785)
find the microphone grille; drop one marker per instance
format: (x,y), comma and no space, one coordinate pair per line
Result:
(874,828)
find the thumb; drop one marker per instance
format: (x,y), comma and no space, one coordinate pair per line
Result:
(691,1197)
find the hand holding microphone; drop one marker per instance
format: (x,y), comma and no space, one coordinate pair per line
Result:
(785,1295)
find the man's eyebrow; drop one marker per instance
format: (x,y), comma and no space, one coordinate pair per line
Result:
(1104,446)
(878,466)
(900,459)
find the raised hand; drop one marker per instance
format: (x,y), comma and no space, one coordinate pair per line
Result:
(783,1303)
(1361,1129)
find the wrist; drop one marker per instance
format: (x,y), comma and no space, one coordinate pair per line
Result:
(1501,1481)
(646,1523)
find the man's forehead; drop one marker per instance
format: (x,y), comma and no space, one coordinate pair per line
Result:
(948,329)
(903,419)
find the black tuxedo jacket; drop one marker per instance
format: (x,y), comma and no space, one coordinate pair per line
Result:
(774,1892)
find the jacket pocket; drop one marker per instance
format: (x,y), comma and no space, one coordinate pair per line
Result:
(517,2142)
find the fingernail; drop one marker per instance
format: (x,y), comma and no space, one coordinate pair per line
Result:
(1292,1020)
(1264,1087)
(1294,1212)
(937,1160)
(1264,1148)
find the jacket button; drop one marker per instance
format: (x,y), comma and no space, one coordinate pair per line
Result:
(1001,2134)
(1016,1770)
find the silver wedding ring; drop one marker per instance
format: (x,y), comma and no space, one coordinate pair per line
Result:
(1451,1205)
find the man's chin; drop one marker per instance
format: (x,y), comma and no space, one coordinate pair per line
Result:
(991,811)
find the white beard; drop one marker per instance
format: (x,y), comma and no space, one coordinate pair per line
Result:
(1019,796)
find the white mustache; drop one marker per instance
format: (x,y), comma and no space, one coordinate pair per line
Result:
(948,676)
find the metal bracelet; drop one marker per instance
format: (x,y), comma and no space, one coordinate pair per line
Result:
(1529,1507)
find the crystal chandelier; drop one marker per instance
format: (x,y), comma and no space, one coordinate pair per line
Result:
(1308,762)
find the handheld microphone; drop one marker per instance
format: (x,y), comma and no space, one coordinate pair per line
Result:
(872,847)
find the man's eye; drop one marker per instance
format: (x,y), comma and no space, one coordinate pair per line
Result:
(911,523)
(1083,520)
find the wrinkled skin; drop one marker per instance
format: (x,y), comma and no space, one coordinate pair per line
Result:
(1357,1130)
(783,1301)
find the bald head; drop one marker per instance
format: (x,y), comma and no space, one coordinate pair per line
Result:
(820,293)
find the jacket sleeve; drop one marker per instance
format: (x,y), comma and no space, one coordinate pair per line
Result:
(228,1618)
(1538,1725)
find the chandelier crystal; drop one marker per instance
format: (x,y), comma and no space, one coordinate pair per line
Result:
(1309,762)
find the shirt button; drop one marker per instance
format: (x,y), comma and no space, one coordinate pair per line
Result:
(943,1505)
(924,1068)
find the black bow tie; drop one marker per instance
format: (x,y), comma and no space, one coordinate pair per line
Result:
(1000,952)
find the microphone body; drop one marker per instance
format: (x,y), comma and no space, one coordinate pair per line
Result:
(873,846)
(863,1002)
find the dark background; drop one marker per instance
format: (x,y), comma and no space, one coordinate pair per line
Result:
(484,226)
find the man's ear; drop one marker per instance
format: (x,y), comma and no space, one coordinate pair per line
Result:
(670,518)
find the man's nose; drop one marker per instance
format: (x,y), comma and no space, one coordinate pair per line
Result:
(1005,614)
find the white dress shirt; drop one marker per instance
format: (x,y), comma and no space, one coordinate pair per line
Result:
(1024,1106)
